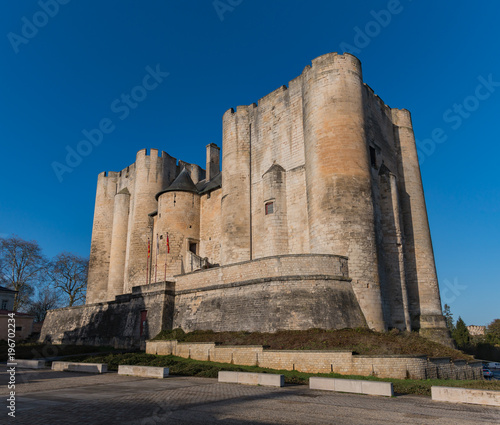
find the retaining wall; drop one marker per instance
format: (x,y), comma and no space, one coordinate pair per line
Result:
(116,323)
(343,362)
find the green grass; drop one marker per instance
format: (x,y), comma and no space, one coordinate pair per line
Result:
(189,367)
(360,341)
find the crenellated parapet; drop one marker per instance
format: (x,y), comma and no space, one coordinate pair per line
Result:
(122,224)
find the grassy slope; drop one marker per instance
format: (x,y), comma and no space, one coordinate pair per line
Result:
(188,367)
(360,341)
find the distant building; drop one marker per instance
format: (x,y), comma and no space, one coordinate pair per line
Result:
(24,322)
(7,297)
(476,330)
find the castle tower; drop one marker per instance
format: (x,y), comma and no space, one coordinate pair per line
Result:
(150,174)
(338,181)
(179,218)
(236,182)
(322,166)
(118,244)
(421,276)
(100,248)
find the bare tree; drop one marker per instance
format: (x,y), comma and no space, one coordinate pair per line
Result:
(68,273)
(47,298)
(21,264)
(48,301)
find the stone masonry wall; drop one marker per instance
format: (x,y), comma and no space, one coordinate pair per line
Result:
(343,362)
(116,323)
(267,305)
(281,292)
(277,266)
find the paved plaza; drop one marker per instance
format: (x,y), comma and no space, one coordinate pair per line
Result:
(55,398)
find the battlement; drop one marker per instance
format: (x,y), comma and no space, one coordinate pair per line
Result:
(352,62)
(271,97)
(152,152)
(383,106)
(127,171)
(348,60)
(107,174)
(197,172)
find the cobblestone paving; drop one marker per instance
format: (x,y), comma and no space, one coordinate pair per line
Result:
(65,398)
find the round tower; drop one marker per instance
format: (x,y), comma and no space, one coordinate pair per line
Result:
(118,244)
(421,276)
(149,180)
(338,181)
(101,238)
(179,220)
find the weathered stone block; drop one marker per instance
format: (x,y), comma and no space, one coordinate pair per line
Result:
(377,388)
(348,386)
(249,378)
(352,386)
(325,384)
(228,377)
(80,367)
(30,364)
(465,395)
(144,371)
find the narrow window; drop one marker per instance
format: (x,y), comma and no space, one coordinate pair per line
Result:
(4,304)
(19,328)
(144,323)
(373,157)
(269,208)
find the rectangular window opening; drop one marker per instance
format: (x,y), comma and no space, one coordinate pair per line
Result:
(269,208)
(373,157)
(144,323)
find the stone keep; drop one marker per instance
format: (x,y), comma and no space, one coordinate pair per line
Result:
(317,175)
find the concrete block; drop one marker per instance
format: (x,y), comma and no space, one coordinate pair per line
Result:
(30,364)
(249,378)
(271,380)
(144,371)
(348,386)
(352,386)
(325,384)
(80,367)
(377,388)
(228,377)
(448,394)
(465,395)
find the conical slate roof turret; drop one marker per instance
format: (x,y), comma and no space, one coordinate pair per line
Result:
(183,183)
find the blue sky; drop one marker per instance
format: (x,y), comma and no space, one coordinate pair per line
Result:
(66,73)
